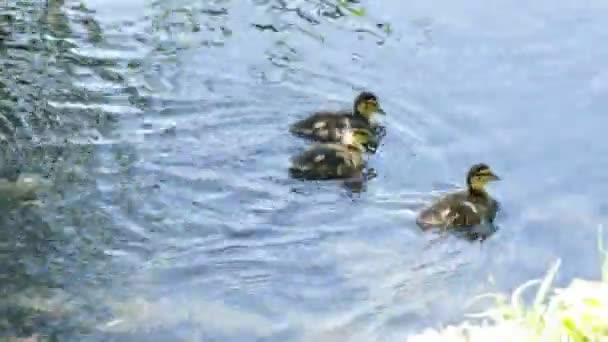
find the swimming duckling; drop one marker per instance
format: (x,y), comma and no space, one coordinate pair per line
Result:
(324,161)
(329,126)
(464,208)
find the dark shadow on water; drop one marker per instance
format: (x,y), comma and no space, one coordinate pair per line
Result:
(478,233)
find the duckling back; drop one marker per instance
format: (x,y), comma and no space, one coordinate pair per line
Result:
(326,161)
(328,126)
(460,209)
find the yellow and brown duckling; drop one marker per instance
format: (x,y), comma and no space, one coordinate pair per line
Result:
(328,126)
(466,208)
(323,161)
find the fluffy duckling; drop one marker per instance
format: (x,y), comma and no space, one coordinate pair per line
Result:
(330,126)
(464,208)
(323,161)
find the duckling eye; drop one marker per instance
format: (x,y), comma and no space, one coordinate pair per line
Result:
(482,175)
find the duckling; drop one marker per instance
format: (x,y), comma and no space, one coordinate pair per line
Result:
(329,126)
(324,161)
(464,208)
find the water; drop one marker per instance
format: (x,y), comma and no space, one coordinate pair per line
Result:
(161,131)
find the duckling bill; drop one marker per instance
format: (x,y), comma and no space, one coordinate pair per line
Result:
(465,208)
(324,161)
(329,126)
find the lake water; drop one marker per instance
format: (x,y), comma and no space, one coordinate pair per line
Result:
(160,131)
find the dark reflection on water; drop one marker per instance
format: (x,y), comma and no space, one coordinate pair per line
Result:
(57,106)
(158,131)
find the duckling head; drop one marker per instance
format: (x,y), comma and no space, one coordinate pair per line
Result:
(479,175)
(366,105)
(357,138)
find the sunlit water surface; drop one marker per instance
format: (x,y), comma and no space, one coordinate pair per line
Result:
(162,129)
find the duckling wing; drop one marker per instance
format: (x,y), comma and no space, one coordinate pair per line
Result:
(324,161)
(451,210)
(465,213)
(326,126)
(315,122)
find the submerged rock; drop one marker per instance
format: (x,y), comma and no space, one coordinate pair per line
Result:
(24,189)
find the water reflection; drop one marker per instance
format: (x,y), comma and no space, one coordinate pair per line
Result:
(53,248)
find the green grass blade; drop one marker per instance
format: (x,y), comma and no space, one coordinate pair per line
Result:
(603,252)
(357,12)
(541,295)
